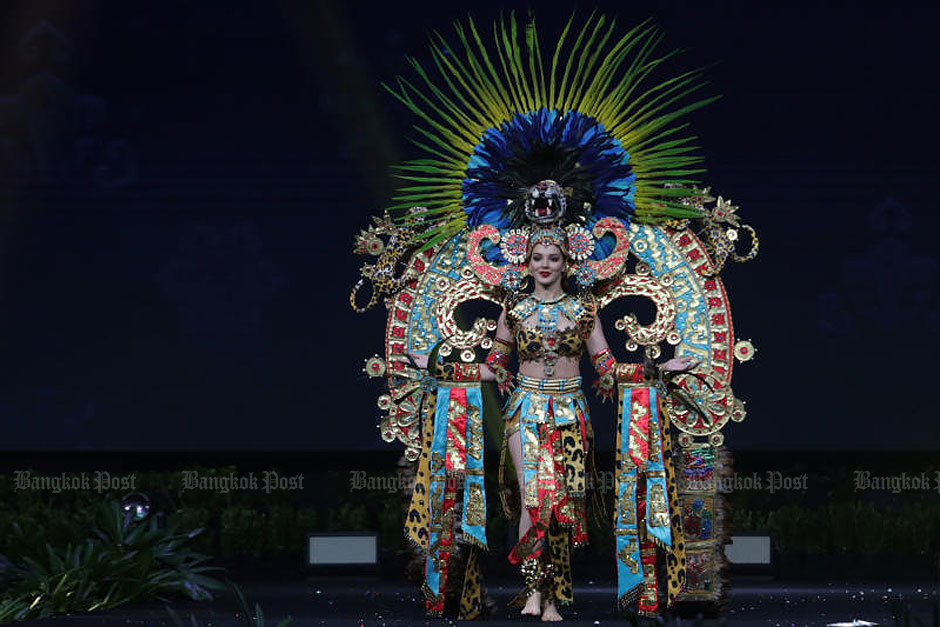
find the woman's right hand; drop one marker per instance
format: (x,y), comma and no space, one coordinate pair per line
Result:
(420,360)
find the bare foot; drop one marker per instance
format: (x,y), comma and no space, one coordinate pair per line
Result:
(550,613)
(533,605)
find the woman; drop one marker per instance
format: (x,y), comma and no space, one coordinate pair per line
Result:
(548,431)
(544,169)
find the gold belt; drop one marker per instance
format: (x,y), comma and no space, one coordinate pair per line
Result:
(555,386)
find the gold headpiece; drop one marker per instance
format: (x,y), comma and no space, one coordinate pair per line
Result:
(552,235)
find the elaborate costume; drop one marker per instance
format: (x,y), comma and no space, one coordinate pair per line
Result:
(579,154)
(551,417)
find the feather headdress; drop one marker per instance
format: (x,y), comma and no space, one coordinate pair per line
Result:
(499,117)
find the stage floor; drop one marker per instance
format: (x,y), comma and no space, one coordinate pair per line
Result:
(368,602)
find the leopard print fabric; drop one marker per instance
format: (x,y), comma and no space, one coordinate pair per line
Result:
(559,545)
(675,558)
(471,599)
(419,514)
(569,343)
(575,457)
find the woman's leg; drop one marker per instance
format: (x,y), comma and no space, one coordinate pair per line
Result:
(515,452)
(533,605)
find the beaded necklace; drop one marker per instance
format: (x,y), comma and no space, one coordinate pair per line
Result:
(548,313)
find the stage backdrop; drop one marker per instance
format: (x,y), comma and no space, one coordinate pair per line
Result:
(180,186)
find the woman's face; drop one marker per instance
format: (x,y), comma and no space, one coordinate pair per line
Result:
(546,264)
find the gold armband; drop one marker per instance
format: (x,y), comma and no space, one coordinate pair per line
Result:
(498,361)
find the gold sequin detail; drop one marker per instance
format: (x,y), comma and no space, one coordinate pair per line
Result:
(627,507)
(658,512)
(626,556)
(476,508)
(474,432)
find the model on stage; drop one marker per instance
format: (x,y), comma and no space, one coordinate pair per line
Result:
(552,186)
(552,330)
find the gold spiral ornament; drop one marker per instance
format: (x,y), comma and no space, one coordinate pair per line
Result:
(461,292)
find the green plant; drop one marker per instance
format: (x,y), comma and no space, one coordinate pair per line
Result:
(347,517)
(109,563)
(13,608)
(239,523)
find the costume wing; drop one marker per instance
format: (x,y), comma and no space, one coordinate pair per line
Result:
(677,267)
(422,300)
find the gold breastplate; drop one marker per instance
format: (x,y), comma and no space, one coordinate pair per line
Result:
(534,343)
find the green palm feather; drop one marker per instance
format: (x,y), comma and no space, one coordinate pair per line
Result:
(594,71)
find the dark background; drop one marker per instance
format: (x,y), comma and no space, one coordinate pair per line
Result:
(180,185)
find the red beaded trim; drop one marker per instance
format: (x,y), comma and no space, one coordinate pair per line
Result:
(498,358)
(603,361)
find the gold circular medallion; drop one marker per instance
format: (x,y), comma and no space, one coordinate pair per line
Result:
(744,350)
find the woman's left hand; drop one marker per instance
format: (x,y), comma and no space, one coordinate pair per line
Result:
(677,364)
